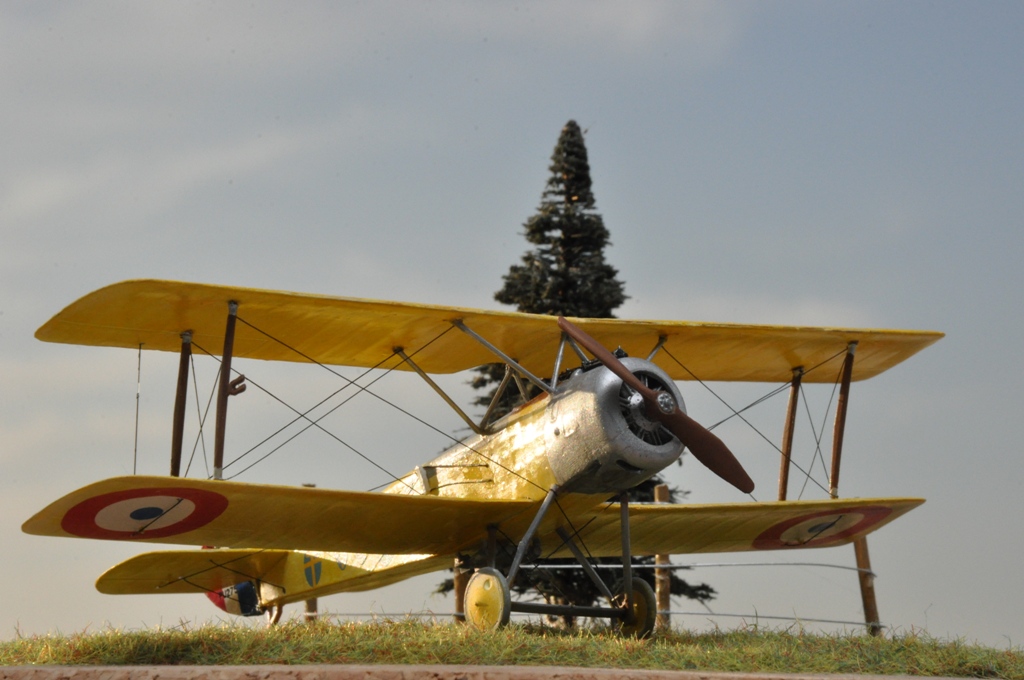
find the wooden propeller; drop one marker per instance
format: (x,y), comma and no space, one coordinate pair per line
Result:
(705,447)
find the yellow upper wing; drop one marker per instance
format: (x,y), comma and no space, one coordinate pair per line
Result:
(345,331)
(679,529)
(236,515)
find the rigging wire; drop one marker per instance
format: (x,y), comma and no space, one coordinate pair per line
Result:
(818,434)
(312,423)
(201,415)
(349,383)
(392,404)
(807,473)
(301,416)
(817,439)
(261,577)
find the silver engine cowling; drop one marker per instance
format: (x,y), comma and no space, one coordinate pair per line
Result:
(598,436)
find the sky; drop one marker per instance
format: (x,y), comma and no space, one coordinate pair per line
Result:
(851,164)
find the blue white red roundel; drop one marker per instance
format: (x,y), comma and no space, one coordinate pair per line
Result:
(143,513)
(820,529)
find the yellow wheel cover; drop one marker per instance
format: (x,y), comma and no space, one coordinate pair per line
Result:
(488,600)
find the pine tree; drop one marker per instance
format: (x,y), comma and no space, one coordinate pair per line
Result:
(566,274)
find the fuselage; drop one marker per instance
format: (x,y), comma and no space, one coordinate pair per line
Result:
(591,437)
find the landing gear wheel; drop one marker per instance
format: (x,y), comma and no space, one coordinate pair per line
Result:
(645,610)
(488,600)
(273,614)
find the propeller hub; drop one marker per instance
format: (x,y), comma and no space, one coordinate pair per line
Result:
(666,404)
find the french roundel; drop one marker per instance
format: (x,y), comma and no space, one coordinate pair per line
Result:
(143,513)
(821,529)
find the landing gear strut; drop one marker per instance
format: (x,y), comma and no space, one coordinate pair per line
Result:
(633,607)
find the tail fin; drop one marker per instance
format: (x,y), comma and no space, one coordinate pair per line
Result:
(241,599)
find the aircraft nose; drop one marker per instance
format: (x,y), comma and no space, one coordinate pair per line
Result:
(617,444)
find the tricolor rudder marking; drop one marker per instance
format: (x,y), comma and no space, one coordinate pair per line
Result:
(143,513)
(240,599)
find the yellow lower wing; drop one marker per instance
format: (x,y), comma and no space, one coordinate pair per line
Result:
(680,529)
(236,515)
(284,576)
(291,576)
(189,571)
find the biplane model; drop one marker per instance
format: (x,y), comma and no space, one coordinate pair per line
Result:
(547,479)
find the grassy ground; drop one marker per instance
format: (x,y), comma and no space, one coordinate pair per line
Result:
(412,642)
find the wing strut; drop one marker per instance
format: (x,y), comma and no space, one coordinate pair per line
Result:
(496,399)
(180,398)
(437,388)
(228,387)
(840,424)
(504,357)
(788,430)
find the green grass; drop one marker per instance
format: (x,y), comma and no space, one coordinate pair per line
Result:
(413,642)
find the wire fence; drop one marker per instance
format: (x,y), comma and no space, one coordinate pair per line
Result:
(754,618)
(751,618)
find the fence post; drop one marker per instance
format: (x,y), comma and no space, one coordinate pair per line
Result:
(662,577)
(311,610)
(460,577)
